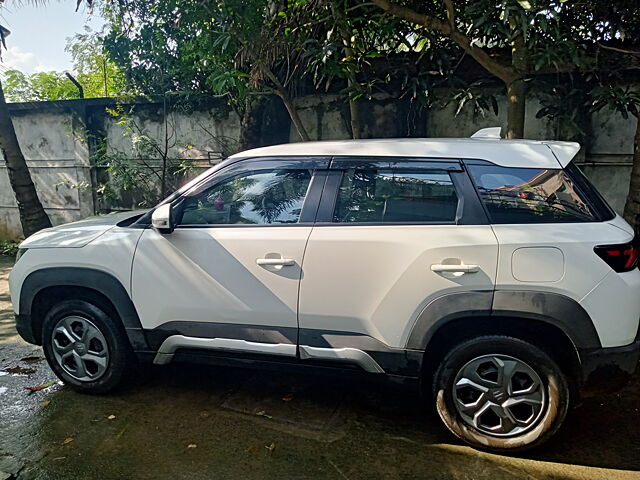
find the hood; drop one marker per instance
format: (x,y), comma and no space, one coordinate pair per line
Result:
(77,234)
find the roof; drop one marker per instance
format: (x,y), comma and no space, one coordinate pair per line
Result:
(508,153)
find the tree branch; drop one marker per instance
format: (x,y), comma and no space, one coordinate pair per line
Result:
(504,72)
(451,13)
(619,50)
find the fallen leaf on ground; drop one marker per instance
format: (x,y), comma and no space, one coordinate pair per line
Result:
(41,387)
(271,447)
(288,397)
(262,413)
(111,417)
(67,440)
(45,403)
(192,445)
(204,414)
(18,370)
(31,359)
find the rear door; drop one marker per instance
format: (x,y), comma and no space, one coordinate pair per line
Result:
(391,236)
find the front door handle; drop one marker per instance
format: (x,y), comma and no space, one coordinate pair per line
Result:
(275,262)
(455,268)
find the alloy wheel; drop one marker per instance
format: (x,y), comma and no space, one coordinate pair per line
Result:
(499,395)
(80,348)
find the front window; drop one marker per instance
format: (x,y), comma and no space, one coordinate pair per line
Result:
(251,198)
(531,195)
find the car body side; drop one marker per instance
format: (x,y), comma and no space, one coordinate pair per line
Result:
(368,288)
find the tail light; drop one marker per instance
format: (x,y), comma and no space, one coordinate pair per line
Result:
(623,257)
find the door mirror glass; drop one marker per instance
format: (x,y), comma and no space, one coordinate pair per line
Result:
(161,219)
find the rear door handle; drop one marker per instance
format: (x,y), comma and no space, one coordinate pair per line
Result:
(455,268)
(275,262)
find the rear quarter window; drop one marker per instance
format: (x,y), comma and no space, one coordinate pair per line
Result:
(534,195)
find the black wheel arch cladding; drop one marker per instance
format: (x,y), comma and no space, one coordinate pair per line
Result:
(102,282)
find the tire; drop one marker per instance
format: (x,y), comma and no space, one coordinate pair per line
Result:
(79,333)
(503,414)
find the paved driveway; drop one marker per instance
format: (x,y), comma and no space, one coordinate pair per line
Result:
(187,422)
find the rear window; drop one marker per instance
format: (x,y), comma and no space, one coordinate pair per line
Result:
(534,195)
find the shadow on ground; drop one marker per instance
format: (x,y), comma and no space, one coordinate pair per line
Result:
(194,422)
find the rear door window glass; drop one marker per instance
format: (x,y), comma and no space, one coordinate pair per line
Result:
(371,195)
(531,195)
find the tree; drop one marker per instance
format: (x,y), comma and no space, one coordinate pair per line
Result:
(39,86)
(32,214)
(227,47)
(98,76)
(517,39)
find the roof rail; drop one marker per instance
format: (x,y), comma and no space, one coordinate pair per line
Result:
(491,132)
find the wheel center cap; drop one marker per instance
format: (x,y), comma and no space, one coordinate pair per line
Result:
(499,395)
(80,348)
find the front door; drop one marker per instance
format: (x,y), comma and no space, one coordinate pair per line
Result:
(227,277)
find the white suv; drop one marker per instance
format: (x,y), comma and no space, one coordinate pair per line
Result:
(489,270)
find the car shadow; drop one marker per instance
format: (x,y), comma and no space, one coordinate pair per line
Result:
(244,423)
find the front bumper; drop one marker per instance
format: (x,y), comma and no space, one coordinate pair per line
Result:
(606,370)
(24,326)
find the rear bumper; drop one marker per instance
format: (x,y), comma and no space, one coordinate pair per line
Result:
(606,370)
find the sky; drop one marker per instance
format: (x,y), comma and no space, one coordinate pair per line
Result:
(39,34)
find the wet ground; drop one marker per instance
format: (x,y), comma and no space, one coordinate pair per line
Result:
(187,422)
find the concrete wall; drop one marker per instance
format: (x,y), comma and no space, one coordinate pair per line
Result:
(59,140)
(56,151)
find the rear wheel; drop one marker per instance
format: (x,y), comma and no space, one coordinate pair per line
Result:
(85,347)
(501,393)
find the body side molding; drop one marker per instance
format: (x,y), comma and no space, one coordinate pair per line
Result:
(346,354)
(252,333)
(175,342)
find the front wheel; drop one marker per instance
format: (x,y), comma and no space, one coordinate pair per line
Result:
(501,393)
(85,347)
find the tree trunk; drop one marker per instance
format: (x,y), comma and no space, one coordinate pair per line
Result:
(293,113)
(516,97)
(516,87)
(250,123)
(281,91)
(354,110)
(32,216)
(352,82)
(632,205)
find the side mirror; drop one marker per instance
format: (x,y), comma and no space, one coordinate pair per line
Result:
(161,219)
